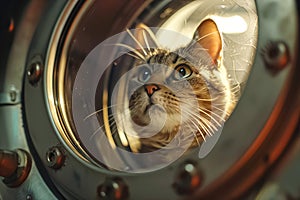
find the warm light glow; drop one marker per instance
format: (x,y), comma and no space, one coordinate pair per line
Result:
(11,25)
(231,25)
(123,139)
(177,23)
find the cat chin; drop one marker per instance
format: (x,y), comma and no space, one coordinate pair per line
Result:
(157,120)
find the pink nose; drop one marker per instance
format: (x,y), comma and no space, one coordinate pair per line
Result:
(151,88)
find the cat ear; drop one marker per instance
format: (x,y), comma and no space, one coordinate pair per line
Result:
(210,39)
(139,34)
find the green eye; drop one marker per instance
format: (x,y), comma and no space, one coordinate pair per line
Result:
(144,74)
(182,72)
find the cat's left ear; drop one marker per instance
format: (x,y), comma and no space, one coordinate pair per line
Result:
(145,37)
(210,39)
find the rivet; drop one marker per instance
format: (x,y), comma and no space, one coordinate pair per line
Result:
(34,73)
(113,189)
(276,55)
(29,197)
(55,158)
(13,95)
(188,178)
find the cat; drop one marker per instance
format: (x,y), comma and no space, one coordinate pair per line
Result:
(184,94)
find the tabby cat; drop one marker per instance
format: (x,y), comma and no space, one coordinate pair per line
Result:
(187,89)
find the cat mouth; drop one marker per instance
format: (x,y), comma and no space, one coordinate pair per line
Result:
(155,107)
(148,107)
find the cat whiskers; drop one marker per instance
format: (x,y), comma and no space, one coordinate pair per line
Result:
(112,120)
(204,111)
(146,41)
(236,88)
(185,51)
(137,42)
(195,134)
(207,35)
(190,136)
(235,73)
(101,127)
(131,49)
(150,32)
(206,124)
(200,48)
(198,119)
(217,119)
(132,55)
(100,110)
(185,98)
(214,107)
(192,122)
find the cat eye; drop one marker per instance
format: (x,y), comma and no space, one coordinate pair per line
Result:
(144,74)
(182,72)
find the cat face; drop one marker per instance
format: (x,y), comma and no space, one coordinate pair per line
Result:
(170,85)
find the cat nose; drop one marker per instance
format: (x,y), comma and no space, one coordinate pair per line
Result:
(151,88)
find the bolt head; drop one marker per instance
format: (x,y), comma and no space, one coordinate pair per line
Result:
(113,189)
(55,158)
(34,73)
(29,197)
(188,179)
(276,55)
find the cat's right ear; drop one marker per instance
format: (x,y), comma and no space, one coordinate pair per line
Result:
(210,39)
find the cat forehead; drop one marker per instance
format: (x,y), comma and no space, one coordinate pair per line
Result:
(189,56)
(158,58)
(164,58)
